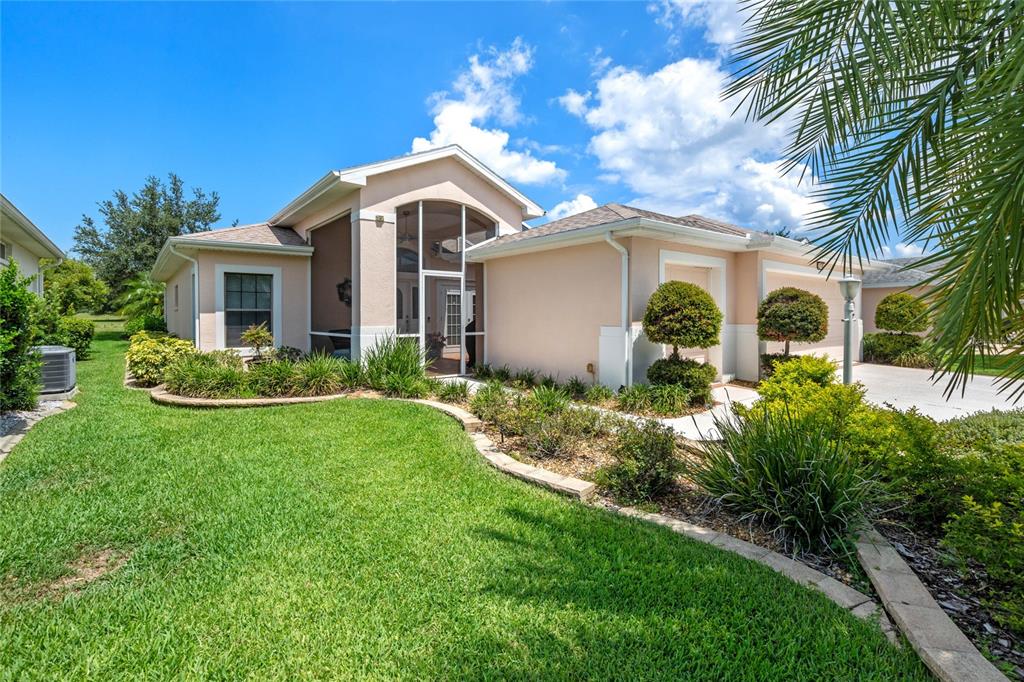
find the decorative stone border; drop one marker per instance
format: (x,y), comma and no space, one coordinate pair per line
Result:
(8,441)
(947,651)
(160,395)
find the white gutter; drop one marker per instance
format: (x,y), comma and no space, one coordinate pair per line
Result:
(195,289)
(624,305)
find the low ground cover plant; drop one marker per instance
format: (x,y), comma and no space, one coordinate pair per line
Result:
(645,461)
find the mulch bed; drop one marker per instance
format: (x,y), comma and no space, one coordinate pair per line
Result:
(962,595)
(683,502)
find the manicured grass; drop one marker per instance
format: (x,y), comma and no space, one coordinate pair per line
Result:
(364,539)
(990,365)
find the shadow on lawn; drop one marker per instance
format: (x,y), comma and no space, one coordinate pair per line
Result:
(603,597)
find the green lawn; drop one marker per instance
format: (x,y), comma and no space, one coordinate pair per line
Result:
(364,539)
(990,365)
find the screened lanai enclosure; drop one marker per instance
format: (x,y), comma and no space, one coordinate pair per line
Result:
(439,298)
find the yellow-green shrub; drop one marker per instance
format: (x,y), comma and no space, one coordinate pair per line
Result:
(149,356)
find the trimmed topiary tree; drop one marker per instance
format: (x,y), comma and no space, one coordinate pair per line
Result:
(682,315)
(790,314)
(901,312)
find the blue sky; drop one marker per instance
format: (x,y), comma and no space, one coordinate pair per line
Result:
(577,104)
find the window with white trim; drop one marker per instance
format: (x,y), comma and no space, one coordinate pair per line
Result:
(248,301)
(5,252)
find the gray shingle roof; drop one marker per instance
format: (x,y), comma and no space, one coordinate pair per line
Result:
(610,213)
(258,233)
(898,272)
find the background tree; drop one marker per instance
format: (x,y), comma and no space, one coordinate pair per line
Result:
(908,115)
(790,314)
(72,287)
(901,312)
(141,297)
(136,227)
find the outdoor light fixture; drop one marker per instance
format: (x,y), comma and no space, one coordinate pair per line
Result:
(849,287)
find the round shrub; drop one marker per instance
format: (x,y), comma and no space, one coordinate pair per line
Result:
(791,314)
(693,375)
(149,356)
(886,348)
(76,333)
(145,323)
(682,315)
(901,312)
(802,369)
(645,463)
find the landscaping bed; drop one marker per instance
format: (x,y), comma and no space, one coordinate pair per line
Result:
(360,538)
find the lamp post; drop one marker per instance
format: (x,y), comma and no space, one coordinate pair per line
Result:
(849,287)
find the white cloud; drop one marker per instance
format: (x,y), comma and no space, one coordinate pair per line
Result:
(722,19)
(670,138)
(574,102)
(902,250)
(483,94)
(581,203)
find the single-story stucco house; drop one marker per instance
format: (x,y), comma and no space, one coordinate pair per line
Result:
(22,241)
(432,246)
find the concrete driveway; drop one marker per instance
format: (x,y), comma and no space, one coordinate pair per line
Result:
(904,388)
(901,387)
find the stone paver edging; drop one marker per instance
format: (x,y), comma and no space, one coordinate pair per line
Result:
(8,441)
(850,599)
(947,651)
(160,395)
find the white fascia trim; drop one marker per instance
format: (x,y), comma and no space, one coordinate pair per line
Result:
(28,226)
(318,188)
(242,246)
(793,269)
(219,270)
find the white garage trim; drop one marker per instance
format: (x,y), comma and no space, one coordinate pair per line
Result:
(724,356)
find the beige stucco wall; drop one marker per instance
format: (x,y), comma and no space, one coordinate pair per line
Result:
(445,180)
(330,264)
(28,263)
(294,302)
(545,309)
(872,297)
(179,318)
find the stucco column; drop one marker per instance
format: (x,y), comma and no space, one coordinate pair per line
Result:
(373,268)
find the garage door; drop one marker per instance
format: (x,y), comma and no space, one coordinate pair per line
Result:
(832,344)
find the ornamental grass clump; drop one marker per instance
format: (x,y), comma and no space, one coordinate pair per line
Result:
(275,379)
(453,391)
(202,375)
(789,473)
(318,374)
(549,400)
(490,401)
(394,362)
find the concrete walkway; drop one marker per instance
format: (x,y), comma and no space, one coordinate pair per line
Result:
(701,426)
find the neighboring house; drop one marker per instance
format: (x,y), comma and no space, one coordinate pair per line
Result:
(22,241)
(891,276)
(432,246)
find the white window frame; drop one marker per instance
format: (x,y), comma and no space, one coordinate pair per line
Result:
(221,269)
(7,249)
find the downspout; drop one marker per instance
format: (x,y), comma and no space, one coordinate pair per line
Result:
(624,305)
(195,289)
